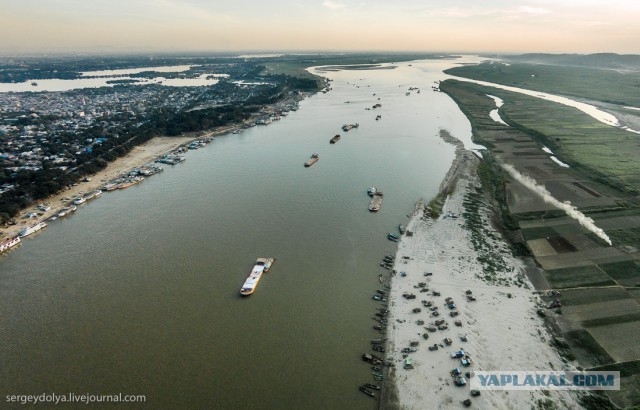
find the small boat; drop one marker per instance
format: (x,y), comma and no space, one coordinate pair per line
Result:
(334,139)
(314,158)
(402,229)
(371,191)
(348,127)
(371,386)
(79,201)
(367,391)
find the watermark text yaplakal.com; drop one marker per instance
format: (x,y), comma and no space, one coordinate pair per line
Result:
(83,398)
(544,380)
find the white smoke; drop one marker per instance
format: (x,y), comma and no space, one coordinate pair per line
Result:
(566,206)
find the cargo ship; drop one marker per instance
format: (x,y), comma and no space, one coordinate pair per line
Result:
(262,265)
(9,243)
(31,229)
(314,158)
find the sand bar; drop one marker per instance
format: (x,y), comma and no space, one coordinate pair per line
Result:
(501,327)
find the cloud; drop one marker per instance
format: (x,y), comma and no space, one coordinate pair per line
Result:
(331,5)
(532,10)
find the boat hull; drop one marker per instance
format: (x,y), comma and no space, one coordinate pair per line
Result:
(251,283)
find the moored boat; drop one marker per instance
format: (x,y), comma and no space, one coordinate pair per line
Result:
(79,201)
(9,243)
(262,265)
(371,191)
(130,182)
(371,386)
(31,229)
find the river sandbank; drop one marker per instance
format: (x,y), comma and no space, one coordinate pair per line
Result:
(499,330)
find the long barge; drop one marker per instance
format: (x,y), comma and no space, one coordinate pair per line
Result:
(31,229)
(314,158)
(262,266)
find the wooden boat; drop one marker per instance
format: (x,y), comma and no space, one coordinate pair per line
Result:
(314,158)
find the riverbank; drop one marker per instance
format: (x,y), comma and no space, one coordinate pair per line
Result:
(496,325)
(137,157)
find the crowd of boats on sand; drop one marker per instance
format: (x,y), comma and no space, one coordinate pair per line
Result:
(380,358)
(133,177)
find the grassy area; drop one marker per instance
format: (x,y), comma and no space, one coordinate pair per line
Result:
(608,86)
(606,155)
(538,232)
(577,277)
(612,320)
(484,239)
(587,348)
(587,296)
(629,236)
(622,269)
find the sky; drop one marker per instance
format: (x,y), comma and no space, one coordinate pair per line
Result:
(502,26)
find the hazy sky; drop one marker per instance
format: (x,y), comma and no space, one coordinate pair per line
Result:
(222,25)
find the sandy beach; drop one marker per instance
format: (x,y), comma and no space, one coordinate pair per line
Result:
(501,327)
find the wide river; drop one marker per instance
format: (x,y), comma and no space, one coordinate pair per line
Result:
(138,292)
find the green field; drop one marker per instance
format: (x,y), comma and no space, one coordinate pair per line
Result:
(577,277)
(622,269)
(607,155)
(586,296)
(609,86)
(587,349)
